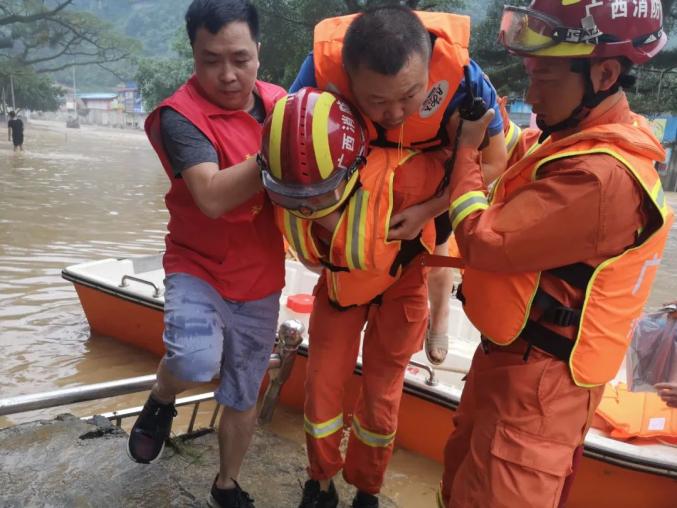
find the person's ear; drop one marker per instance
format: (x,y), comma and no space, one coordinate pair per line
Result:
(605,73)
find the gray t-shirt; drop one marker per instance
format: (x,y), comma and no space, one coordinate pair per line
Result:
(186,145)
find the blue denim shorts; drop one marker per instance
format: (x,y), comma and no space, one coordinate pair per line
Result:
(207,336)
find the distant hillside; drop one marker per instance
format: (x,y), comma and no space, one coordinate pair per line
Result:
(153,22)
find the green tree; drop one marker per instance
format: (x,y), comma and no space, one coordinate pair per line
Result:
(48,36)
(656,89)
(31,90)
(158,78)
(41,37)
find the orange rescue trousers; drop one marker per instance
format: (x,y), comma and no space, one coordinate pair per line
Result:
(516,430)
(395,330)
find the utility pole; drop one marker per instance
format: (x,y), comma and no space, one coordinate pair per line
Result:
(11,86)
(75,95)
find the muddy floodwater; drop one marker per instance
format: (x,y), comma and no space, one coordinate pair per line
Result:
(80,195)
(71,196)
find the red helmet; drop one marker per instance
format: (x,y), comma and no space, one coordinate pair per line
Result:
(585,29)
(313,145)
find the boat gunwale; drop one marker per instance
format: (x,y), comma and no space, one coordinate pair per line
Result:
(119,292)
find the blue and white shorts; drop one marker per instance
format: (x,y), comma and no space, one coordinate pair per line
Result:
(206,336)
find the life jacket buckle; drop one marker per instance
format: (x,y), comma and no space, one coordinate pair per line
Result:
(563,316)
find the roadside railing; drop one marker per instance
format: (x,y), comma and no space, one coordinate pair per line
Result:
(280,366)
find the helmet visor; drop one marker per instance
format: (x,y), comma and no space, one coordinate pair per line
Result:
(307,205)
(526,31)
(309,199)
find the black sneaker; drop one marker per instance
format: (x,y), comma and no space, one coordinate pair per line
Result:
(313,497)
(150,431)
(229,498)
(364,500)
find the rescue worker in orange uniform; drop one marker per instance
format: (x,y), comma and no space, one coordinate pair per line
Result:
(404,71)
(560,260)
(519,142)
(316,168)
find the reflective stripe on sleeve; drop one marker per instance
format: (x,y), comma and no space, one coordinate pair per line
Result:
(465,205)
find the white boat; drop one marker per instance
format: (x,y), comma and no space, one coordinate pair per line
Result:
(123,299)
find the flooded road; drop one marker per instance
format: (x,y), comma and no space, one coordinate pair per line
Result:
(72,196)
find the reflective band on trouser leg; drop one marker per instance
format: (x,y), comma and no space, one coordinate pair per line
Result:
(323,429)
(465,205)
(371,438)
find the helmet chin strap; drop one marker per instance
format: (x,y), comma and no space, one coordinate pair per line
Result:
(590,100)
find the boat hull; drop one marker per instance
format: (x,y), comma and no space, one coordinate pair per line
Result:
(127,321)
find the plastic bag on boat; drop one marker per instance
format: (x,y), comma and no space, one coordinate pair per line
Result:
(652,355)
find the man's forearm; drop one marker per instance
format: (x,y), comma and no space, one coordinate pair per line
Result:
(218,192)
(235,185)
(437,205)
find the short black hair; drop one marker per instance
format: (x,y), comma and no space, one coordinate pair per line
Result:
(12,114)
(215,14)
(384,38)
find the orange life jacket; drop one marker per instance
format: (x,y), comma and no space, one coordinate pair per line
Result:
(627,415)
(360,262)
(449,56)
(499,304)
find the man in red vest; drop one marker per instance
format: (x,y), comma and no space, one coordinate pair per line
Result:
(224,257)
(561,259)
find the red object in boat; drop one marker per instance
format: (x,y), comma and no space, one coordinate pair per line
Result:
(302,303)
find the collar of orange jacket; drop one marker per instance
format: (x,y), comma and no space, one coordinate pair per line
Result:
(614,109)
